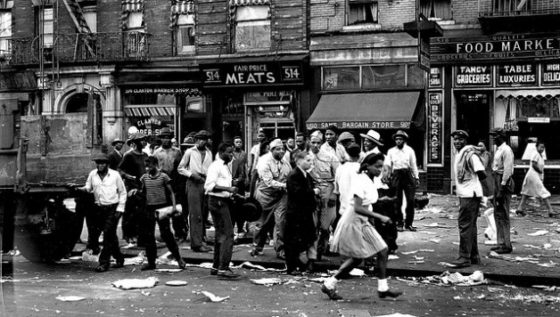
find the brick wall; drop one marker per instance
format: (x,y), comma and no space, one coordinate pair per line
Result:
(212,32)
(392,14)
(435,180)
(465,11)
(156,18)
(23,15)
(108,16)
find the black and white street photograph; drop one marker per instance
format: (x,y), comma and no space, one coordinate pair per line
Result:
(279,158)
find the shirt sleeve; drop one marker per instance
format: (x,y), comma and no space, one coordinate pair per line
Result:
(121,190)
(508,166)
(183,168)
(89,187)
(266,176)
(476,163)
(388,159)
(211,178)
(358,188)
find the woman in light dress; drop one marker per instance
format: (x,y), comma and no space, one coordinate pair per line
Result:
(355,237)
(533,184)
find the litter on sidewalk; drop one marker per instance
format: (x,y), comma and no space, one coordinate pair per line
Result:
(213,298)
(251,266)
(267,281)
(70,298)
(176,283)
(128,284)
(450,279)
(538,233)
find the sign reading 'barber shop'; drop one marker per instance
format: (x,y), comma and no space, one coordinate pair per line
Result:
(253,75)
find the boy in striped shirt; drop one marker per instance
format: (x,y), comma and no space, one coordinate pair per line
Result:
(156,186)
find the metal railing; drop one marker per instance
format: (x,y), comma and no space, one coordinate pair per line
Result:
(508,8)
(77,48)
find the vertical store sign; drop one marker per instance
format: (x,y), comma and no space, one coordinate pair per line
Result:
(435,128)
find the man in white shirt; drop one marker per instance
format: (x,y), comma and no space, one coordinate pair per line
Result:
(219,188)
(502,170)
(110,198)
(401,164)
(469,171)
(332,146)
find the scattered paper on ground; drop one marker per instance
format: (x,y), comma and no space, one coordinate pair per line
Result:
(70,298)
(457,278)
(176,283)
(127,284)
(251,266)
(213,298)
(267,281)
(137,260)
(538,233)
(393,257)
(88,257)
(395,315)
(357,272)
(168,270)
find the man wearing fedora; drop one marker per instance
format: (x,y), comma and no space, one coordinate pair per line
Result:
(372,142)
(502,170)
(169,157)
(132,167)
(115,157)
(401,164)
(468,171)
(194,165)
(273,173)
(110,197)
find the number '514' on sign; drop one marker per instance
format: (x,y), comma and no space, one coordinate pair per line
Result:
(291,73)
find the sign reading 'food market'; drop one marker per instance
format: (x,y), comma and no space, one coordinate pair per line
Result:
(473,76)
(514,75)
(257,74)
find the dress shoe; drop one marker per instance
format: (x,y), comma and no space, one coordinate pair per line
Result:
(521,213)
(102,268)
(461,262)
(256,252)
(495,248)
(504,250)
(331,292)
(202,249)
(119,264)
(410,228)
(400,228)
(148,267)
(213,271)
(476,261)
(182,265)
(389,293)
(227,274)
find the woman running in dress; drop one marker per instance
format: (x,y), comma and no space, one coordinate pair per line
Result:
(355,237)
(533,184)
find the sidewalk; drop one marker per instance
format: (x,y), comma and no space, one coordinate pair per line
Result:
(535,259)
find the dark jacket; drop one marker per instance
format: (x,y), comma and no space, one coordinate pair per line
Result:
(300,230)
(115,159)
(239,173)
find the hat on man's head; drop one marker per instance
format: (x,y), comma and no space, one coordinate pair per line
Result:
(316,135)
(135,137)
(401,134)
(373,136)
(202,135)
(165,132)
(276,143)
(344,136)
(460,134)
(333,128)
(498,132)
(117,140)
(100,157)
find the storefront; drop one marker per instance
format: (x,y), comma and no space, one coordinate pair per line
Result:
(256,94)
(502,81)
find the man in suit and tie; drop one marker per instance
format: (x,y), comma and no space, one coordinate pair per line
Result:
(115,157)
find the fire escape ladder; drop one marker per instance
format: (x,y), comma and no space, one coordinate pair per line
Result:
(77,16)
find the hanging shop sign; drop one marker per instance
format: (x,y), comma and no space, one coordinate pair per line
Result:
(473,76)
(435,128)
(435,77)
(517,75)
(550,74)
(253,74)
(492,48)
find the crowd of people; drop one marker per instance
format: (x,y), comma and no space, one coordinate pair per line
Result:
(318,196)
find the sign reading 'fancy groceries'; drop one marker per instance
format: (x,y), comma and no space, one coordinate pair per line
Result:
(252,75)
(497,47)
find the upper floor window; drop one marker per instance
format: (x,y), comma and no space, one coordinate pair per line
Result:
(90,15)
(183,24)
(436,9)
(135,42)
(46,26)
(252,29)
(5,32)
(362,12)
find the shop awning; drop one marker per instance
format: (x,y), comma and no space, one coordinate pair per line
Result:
(150,110)
(383,110)
(528,93)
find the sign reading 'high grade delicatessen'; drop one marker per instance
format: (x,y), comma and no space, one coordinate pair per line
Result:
(253,74)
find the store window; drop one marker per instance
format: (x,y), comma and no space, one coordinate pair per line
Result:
(341,78)
(5,33)
(252,29)
(362,12)
(436,9)
(388,76)
(45,26)
(149,112)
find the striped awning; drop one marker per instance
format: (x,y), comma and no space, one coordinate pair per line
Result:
(132,5)
(182,7)
(150,110)
(239,3)
(528,94)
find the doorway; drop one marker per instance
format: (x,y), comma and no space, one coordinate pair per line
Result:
(473,115)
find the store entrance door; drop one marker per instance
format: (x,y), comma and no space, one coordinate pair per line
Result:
(473,115)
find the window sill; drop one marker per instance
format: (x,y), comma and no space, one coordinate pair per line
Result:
(361,27)
(442,21)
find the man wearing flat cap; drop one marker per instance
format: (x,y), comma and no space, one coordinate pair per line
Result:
(469,171)
(115,157)
(402,168)
(194,165)
(502,170)
(271,193)
(323,171)
(332,146)
(110,197)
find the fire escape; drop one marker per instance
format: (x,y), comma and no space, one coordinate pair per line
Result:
(519,15)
